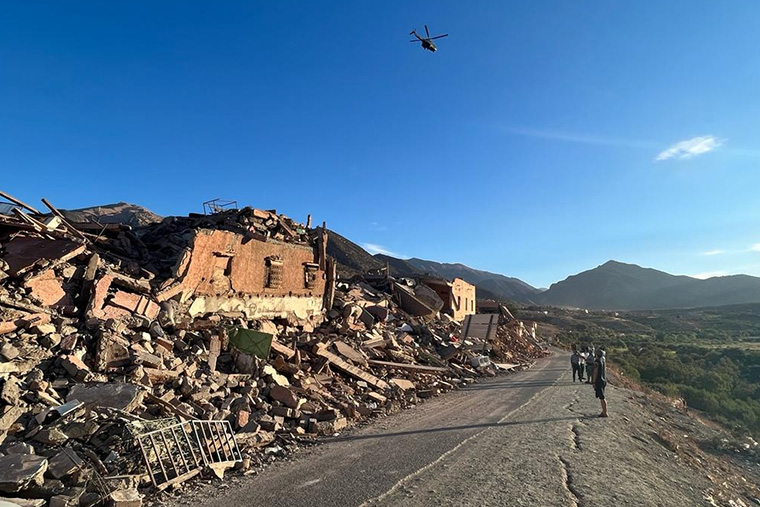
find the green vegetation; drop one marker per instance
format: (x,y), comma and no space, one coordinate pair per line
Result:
(709,357)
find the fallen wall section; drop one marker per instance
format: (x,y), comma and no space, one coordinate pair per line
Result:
(223,271)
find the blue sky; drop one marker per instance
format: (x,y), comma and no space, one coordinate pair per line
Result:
(542,139)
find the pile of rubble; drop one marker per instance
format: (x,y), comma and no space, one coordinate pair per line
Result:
(132,360)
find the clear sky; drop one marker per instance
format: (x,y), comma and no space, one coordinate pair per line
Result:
(542,139)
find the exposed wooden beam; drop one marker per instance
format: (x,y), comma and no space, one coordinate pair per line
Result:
(15,201)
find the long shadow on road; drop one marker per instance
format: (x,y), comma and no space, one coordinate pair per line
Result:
(514,385)
(451,428)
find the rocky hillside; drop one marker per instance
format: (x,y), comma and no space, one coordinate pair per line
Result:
(504,287)
(119,213)
(619,286)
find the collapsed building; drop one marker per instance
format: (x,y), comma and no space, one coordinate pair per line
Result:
(458,296)
(132,359)
(247,273)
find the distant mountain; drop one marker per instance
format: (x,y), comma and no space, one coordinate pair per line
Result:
(118,213)
(504,287)
(352,259)
(489,285)
(619,286)
(398,267)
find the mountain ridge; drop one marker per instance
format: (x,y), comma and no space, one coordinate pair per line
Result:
(613,285)
(616,285)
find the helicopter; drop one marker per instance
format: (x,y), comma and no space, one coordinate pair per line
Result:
(427,42)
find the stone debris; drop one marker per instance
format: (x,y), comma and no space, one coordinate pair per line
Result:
(124,498)
(20,471)
(109,332)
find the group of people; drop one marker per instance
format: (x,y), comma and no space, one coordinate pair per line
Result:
(593,363)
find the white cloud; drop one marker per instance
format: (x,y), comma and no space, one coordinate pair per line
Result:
(378,249)
(691,148)
(713,252)
(755,247)
(709,274)
(579,138)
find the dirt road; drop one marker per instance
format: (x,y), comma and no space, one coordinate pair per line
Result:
(531,438)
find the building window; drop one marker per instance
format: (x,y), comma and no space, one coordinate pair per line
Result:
(273,277)
(310,271)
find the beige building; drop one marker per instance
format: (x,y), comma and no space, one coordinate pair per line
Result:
(458,296)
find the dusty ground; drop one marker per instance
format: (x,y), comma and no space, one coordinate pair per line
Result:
(555,451)
(532,438)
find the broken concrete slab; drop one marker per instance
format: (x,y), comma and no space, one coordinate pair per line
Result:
(10,392)
(98,296)
(124,497)
(64,463)
(350,353)
(75,367)
(284,396)
(9,352)
(21,502)
(120,396)
(47,289)
(413,367)
(135,303)
(403,383)
(279,348)
(270,371)
(20,471)
(320,350)
(9,415)
(22,253)
(10,326)
(51,436)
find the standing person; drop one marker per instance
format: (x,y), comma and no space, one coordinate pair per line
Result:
(575,360)
(590,364)
(581,363)
(600,379)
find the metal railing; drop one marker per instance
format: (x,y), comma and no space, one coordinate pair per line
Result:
(180,451)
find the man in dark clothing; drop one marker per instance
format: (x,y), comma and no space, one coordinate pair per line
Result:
(600,379)
(575,361)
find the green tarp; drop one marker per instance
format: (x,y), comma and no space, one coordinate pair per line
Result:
(251,342)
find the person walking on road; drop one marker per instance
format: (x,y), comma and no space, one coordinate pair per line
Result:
(600,379)
(575,360)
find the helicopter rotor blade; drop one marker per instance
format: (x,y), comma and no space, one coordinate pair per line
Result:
(426,32)
(439,36)
(415,40)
